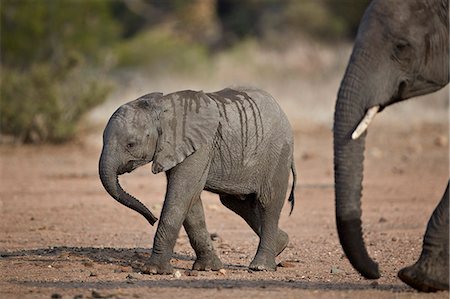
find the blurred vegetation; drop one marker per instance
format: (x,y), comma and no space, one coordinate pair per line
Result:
(50,51)
(58,57)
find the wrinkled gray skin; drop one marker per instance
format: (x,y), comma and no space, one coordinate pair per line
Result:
(401,51)
(235,142)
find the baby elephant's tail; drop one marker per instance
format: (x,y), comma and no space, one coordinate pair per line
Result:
(294,182)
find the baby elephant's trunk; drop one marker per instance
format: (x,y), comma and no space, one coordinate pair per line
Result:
(110,181)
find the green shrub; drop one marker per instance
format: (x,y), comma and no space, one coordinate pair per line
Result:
(160,50)
(50,51)
(43,105)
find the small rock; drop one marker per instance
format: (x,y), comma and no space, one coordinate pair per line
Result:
(56,296)
(215,237)
(177,274)
(222,272)
(64,255)
(123,269)
(394,239)
(88,264)
(191,273)
(92,274)
(306,156)
(374,284)
(382,219)
(398,170)
(285,264)
(441,141)
(336,270)
(96,294)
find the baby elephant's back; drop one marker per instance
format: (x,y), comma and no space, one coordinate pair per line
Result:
(252,125)
(252,111)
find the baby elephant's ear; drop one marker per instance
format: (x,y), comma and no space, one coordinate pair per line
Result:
(189,121)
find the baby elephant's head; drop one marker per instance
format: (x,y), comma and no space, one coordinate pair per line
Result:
(161,129)
(129,141)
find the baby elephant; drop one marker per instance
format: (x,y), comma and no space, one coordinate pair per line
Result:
(236,143)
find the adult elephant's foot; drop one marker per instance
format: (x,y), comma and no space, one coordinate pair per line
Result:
(209,262)
(282,242)
(428,274)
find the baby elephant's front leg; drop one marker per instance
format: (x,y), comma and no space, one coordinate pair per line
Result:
(184,184)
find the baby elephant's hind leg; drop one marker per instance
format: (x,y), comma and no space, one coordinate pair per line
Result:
(248,209)
(200,239)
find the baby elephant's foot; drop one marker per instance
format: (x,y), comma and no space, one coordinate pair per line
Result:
(211,262)
(157,268)
(282,242)
(263,262)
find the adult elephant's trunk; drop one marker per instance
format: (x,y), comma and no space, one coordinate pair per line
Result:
(108,170)
(350,108)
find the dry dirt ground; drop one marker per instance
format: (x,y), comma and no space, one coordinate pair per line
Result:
(62,236)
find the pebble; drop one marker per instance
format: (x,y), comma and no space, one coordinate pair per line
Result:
(122,269)
(215,237)
(177,274)
(285,264)
(336,270)
(382,219)
(56,296)
(88,264)
(374,284)
(191,273)
(95,294)
(306,156)
(441,141)
(223,272)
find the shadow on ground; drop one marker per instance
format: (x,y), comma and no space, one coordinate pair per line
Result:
(136,256)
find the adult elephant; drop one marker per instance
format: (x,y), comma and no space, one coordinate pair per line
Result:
(401,51)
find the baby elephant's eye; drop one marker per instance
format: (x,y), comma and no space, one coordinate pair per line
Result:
(131,145)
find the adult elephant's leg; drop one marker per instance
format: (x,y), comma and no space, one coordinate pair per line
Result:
(200,239)
(248,209)
(431,272)
(185,182)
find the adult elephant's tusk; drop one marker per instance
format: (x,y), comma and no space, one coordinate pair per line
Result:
(365,122)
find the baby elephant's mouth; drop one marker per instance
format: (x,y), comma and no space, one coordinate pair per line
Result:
(130,166)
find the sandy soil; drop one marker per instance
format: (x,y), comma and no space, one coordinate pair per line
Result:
(62,235)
